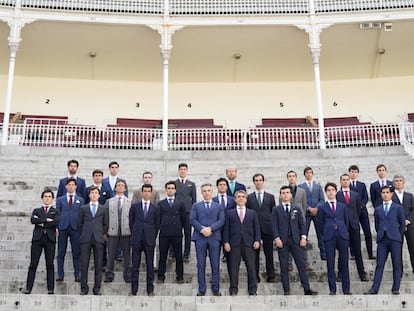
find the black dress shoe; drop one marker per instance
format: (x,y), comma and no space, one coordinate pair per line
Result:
(311,292)
(26,292)
(200,294)
(395,292)
(252,294)
(186,259)
(77,279)
(97,293)
(161,280)
(364,278)
(218,294)
(371,292)
(286,293)
(83,293)
(50,292)
(132,294)
(179,280)
(150,294)
(233,293)
(258,279)
(59,279)
(271,280)
(372,257)
(347,293)
(108,280)
(332,293)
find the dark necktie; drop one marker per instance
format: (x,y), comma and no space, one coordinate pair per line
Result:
(145,210)
(333,207)
(170,201)
(223,204)
(46,209)
(119,204)
(287,209)
(207,205)
(70,201)
(259,198)
(346,192)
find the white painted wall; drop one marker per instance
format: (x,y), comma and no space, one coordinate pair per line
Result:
(230,104)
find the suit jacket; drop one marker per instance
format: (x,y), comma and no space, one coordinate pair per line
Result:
(69,216)
(314,197)
(237,186)
(105,194)
(137,196)
(329,222)
(264,212)
(107,185)
(188,192)
(231,203)
(407,204)
(375,192)
(92,227)
(235,232)
(213,217)
(393,223)
(172,218)
(354,207)
(143,229)
(80,186)
(111,208)
(281,221)
(39,217)
(361,188)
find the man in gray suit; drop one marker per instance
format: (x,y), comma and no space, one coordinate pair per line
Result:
(92,227)
(119,232)
(147,179)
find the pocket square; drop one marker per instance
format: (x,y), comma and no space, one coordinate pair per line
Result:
(77,201)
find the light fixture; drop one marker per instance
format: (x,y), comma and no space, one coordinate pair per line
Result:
(237,56)
(381,51)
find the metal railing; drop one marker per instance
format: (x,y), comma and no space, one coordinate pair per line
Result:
(211,7)
(89,136)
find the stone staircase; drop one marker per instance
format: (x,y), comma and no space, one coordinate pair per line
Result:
(26,171)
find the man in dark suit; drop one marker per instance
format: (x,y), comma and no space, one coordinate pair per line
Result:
(186,190)
(110,181)
(105,191)
(376,186)
(333,223)
(314,196)
(390,227)
(361,188)
(241,237)
(207,218)
(92,227)
(231,173)
(144,224)
(73,166)
(289,234)
(406,200)
(172,217)
(68,206)
(353,203)
(263,202)
(46,220)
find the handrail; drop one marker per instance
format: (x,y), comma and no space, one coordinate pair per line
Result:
(90,136)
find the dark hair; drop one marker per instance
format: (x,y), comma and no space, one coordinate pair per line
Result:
(221,179)
(381,165)
(47,190)
(391,188)
(120,181)
(284,188)
(331,184)
(146,186)
(146,173)
(257,175)
(74,162)
(308,168)
(182,165)
(353,168)
(93,188)
(70,180)
(97,172)
(112,163)
(170,182)
(291,172)
(340,177)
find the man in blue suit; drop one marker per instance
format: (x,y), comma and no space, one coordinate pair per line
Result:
(144,224)
(231,173)
(289,234)
(353,203)
(390,227)
(333,223)
(361,188)
(68,206)
(73,166)
(241,237)
(110,181)
(376,186)
(105,191)
(207,218)
(314,196)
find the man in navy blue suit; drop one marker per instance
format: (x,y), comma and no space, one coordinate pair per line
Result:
(207,218)
(73,166)
(376,186)
(110,181)
(231,173)
(144,224)
(172,219)
(289,234)
(353,203)
(68,206)
(333,223)
(241,237)
(361,188)
(105,191)
(406,200)
(390,227)
(314,196)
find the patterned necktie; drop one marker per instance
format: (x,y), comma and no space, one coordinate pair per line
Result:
(241,215)
(119,204)
(386,209)
(170,201)
(346,197)
(259,198)
(223,204)
(93,210)
(70,201)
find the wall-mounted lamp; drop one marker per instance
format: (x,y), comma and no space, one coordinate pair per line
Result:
(334,104)
(237,56)
(381,51)
(92,54)
(189,105)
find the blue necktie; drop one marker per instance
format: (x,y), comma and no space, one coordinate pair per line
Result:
(145,210)
(223,203)
(386,209)
(93,210)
